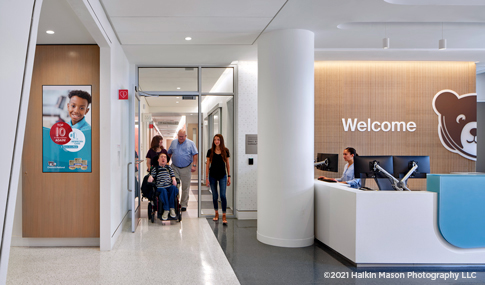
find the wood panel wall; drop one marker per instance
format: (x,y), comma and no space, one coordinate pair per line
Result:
(60,205)
(388,91)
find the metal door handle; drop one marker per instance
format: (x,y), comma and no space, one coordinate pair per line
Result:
(128,177)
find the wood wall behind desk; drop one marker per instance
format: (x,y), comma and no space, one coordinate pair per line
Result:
(60,205)
(387,91)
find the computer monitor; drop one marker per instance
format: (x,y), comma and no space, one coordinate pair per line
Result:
(327,162)
(403,164)
(364,165)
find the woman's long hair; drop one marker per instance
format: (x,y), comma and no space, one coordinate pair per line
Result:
(222,146)
(156,143)
(352,150)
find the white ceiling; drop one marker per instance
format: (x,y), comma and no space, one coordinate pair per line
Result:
(58,16)
(152,32)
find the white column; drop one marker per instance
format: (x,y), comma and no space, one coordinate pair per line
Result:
(17,51)
(285,138)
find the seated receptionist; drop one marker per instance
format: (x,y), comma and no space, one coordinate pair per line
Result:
(348,177)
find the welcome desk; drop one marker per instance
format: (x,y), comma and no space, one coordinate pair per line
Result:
(393,227)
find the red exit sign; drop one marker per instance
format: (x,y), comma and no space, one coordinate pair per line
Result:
(123,94)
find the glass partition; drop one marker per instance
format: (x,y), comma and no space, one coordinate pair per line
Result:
(200,100)
(168,79)
(217,80)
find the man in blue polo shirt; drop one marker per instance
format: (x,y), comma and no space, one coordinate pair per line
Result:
(184,161)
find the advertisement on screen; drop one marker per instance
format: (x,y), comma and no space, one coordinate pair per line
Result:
(66,128)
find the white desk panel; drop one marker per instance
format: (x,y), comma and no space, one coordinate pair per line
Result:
(384,227)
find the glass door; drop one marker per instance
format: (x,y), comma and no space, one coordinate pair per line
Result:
(218,117)
(136,185)
(211,91)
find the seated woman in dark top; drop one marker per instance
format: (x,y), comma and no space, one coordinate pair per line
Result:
(156,148)
(165,180)
(217,163)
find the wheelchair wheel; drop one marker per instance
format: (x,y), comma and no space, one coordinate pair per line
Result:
(150,212)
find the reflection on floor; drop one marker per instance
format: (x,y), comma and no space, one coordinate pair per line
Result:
(258,263)
(165,252)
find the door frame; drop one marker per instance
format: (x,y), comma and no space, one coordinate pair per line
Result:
(199,95)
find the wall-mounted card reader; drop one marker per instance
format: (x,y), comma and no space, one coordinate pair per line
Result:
(251,161)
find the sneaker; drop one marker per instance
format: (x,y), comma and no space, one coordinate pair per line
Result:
(165,215)
(184,209)
(172,213)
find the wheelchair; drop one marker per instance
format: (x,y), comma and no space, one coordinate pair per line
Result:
(155,206)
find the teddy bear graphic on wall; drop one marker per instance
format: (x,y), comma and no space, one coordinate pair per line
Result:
(457,122)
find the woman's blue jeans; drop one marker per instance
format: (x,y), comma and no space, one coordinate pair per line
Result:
(222,189)
(168,196)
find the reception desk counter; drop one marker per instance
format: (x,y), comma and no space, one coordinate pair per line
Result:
(385,227)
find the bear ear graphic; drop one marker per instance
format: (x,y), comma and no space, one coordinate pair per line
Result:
(444,102)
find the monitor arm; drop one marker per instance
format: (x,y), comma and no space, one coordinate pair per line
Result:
(404,181)
(396,184)
(321,162)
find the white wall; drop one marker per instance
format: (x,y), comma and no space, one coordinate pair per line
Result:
(121,144)
(480,166)
(247,123)
(115,142)
(481,87)
(17,50)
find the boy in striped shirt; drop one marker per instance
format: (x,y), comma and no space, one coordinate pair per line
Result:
(166,184)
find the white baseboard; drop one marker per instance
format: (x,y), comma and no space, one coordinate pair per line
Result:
(54,242)
(247,215)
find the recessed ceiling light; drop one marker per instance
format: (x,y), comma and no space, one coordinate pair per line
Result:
(178,87)
(188,38)
(50,32)
(442,44)
(385,43)
(176,101)
(178,97)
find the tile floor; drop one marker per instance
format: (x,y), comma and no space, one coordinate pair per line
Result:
(201,251)
(257,263)
(158,253)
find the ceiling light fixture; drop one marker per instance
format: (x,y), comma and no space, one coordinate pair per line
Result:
(385,41)
(50,32)
(178,88)
(188,38)
(176,101)
(442,43)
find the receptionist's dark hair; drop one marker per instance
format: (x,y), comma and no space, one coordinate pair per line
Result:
(352,150)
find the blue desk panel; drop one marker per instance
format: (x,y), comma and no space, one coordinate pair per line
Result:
(461,208)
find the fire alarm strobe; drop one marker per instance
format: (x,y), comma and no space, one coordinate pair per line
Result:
(123,94)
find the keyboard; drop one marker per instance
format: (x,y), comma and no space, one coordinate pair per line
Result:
(327,180)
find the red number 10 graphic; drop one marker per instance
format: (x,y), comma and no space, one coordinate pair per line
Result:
(60,133)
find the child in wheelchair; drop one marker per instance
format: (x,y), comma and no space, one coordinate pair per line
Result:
(164,179)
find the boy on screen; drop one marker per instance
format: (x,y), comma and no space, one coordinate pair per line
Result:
(78,107)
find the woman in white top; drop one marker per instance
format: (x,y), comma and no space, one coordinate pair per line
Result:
(348,176)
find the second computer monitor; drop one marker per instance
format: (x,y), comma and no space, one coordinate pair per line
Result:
(402,165)
(331,163)
(364,165)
